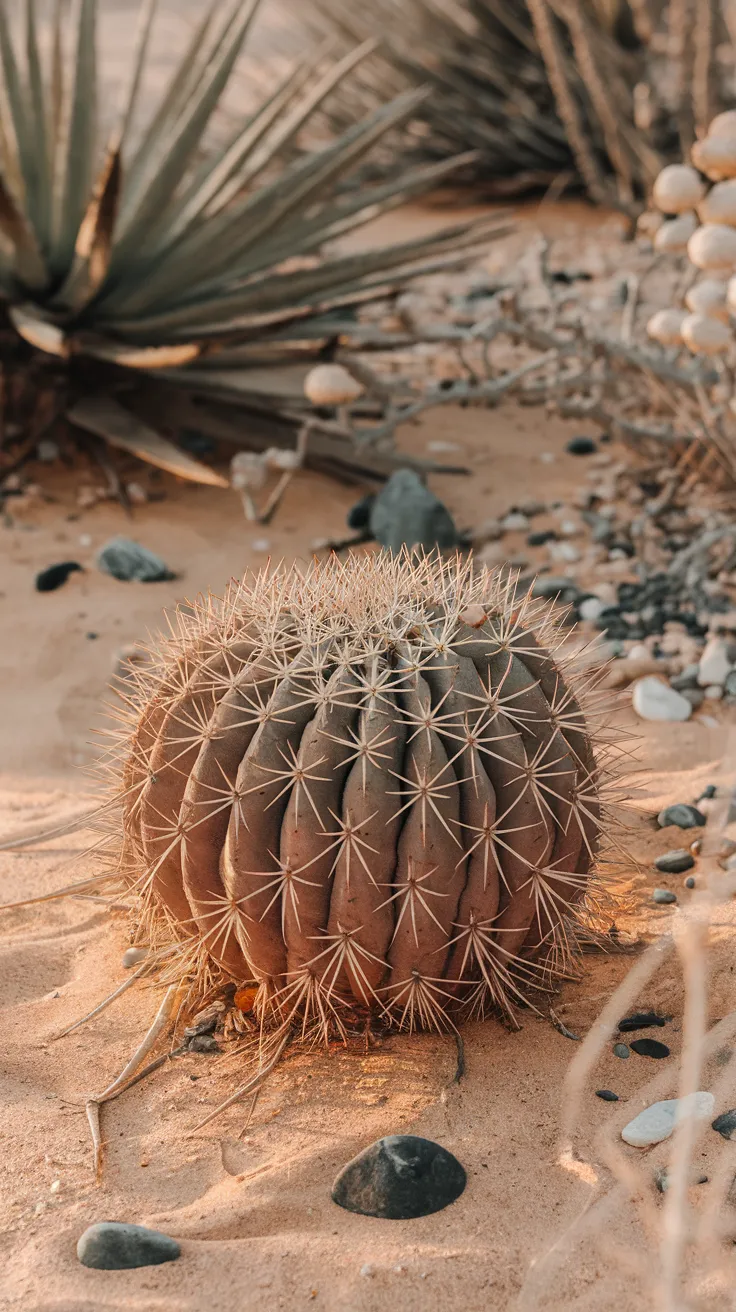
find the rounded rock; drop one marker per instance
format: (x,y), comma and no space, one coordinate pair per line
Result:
(607,1095)
(664,896)
(650,1048)
(117,1246)
(725,1124)
(690,883)
(398,1178)
(621,1050)
(681,814)
(655,700)
(675,862)
(657,1122)
(134,957)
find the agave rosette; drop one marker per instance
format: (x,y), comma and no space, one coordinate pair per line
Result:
(160,256)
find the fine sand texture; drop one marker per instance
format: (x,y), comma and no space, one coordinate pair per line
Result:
(251,1201)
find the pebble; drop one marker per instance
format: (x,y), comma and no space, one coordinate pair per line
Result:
(690,882)
(581,446)
(650,1048)
(549,586)
(709,792)
(729,686)
(541,537)
(695,696)
(657,1122)
(607,1095)
(663,896)
(655,700)
(134,957)
(713,692)
(675,862)
(129,561)
(591,608)
(406,513)
(567,552)
(662,1179)
(714,665)
(685,679)
(725,1124)
(399,1177)
(640,1020)
(515,522)
(682,815)
(203,1043)
(621,1050)
(115,1246)
(48,580)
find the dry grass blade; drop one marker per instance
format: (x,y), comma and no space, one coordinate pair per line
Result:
(105,417)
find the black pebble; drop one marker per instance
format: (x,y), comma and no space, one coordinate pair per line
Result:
(114,1246)
(607,1095)
(675,862)
(91,636)
(539,539)
(725,1124)
(581,446)
(650,1048)
(52,578)
(399,1177)
(707,794)
(359,515)
(640,1020)
(681,814)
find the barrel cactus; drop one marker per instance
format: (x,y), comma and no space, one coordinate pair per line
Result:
(368,787)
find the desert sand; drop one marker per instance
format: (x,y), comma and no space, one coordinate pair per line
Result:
(253,1208)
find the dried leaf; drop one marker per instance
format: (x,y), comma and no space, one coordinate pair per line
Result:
(106,418)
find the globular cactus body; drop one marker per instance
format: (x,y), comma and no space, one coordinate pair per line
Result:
(370,785)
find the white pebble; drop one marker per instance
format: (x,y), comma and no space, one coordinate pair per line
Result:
(591,608)
(261,544)
(515,521)
(55,1186)
(714,692)
(639,652)
(367,1269)
(657,1122)
(563,551)
(134,957)
(655,700)
(714,666)
(547,458)
(85,540)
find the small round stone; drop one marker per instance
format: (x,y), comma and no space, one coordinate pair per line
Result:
(607,1095)
(690,882)
(115,1246)
(675,862)
(134,957)
(657,1122)
(664,896)
(681,814)
(650,1048)
(400,1177)
(621,1050)
(725,1124)
(581,446)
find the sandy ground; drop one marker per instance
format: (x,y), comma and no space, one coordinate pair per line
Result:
(253,1210)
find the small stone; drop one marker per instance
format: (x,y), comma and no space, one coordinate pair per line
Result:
(115,1246)
(695,696)
(714,665)
(399,1177)
(581,446)
(657,1122)
(675,862)
(203,1043)
(515,522)
(47,450)
(655,700)
(406,514)
(725,1124)
(713,692)
(640,1020)
(541,537)
(607,1095)
(553,586)
(682,815)
(129,561)
(367,1269)
(261,544)
(664,896)
(650,1048)
(690,882)
(137,494)
(134,957)
(591,608)
(359,515)
(621,1050)
(56,575)
(662,1179)
(85,539)
(566,552)
(687,678)
(729,686)
(547,458)
(709,792)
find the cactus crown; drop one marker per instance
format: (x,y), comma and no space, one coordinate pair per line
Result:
(366,786)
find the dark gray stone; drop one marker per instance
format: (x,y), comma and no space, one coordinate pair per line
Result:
(682,815)
(406,514)
(621,1050)
(650,1048)
(640,1020)
(675,862)
(56,575)
(725,1124)
(607,1095)
(116,1246)
(129,561)
(581,446)
(663,896)
(690,882)
(400,1177)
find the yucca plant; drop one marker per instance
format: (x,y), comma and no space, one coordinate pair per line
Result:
(589,93)
(149,260)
